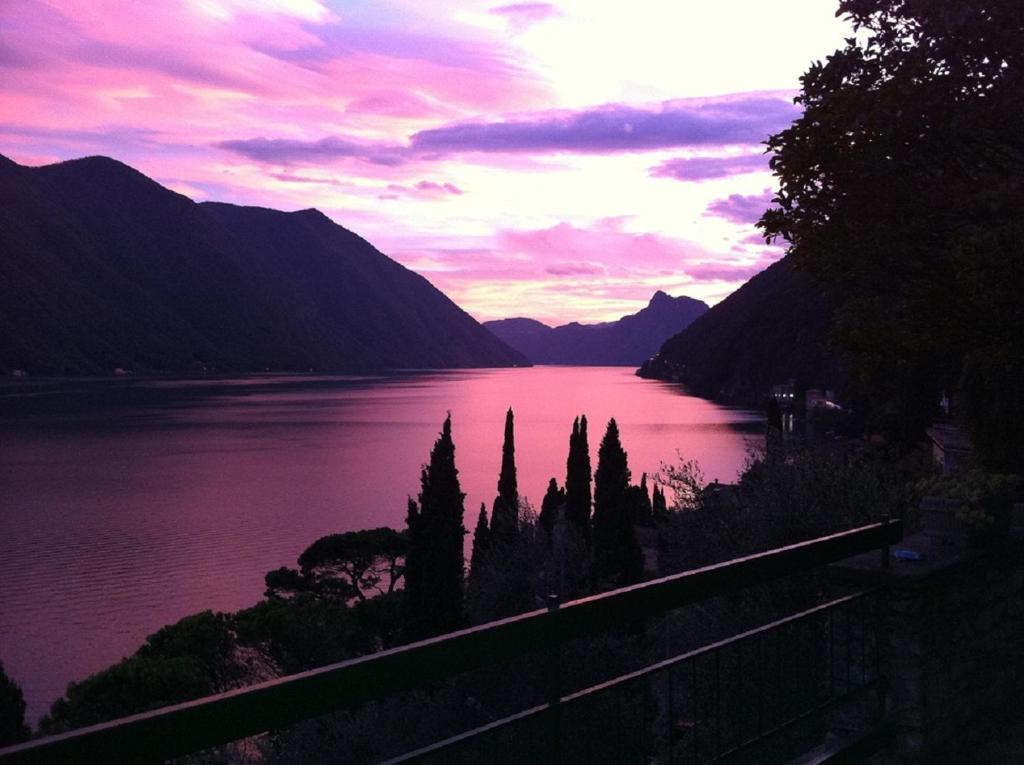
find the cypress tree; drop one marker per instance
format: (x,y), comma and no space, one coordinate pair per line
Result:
(659,508)
(640,503)
(554,498)
(481,543)
(435,565)
(618,560)
(505,511)
(577,479)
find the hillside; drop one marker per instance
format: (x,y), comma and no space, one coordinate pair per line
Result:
(626,342)
(101,268)
(771,329)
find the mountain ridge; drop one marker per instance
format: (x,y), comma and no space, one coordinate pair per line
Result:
(628,341)
(104,268)
(771,329)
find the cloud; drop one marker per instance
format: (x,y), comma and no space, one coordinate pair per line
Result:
(618,128)
(725,271)
(607,129)
(422,190)
(704,168)
(287,151)
(740,208)
(520,16)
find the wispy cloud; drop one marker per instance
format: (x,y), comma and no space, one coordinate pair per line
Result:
(746,119)
(521,16)
(705,168)
(741,208)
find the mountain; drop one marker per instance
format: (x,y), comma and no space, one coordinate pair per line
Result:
(771,329)
(102,267)
(626,342)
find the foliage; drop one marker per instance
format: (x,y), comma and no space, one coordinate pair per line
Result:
(577,478)
(481,542)
(368,560)
(808,494)
(12,711)
(508,582)
(986,498)
(434,565)
(618,560)
(505,511)
(554,498)
(900,189)
(198,656)
(685,480)
(303,632)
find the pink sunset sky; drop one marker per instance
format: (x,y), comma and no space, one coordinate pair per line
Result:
(557,161)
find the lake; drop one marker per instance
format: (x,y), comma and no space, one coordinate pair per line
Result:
(126,505)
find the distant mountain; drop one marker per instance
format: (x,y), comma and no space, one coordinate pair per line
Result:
(101,267)
(771,329)
(626,342)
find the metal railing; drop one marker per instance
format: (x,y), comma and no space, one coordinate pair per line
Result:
(193,726)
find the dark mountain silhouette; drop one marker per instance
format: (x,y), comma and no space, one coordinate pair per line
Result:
(770,330)
(627,342)
(101,267)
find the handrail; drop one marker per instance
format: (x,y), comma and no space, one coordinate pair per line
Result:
(192,726)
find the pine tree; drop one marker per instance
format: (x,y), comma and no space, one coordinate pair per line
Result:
(577,479)
(435,566)
(481,543)
(505,511)
(618,560)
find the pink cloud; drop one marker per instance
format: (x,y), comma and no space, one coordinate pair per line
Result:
(521,16)
(742,208)
(703,168)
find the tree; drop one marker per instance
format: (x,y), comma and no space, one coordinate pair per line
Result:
(640,511)
(435,566)
(618,560)
(554,498)
(505,511)
(481,543)
(12,711)
(577,479)
(899,189)
(356,562)
(659,508)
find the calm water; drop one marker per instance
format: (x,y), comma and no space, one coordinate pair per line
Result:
(125,506)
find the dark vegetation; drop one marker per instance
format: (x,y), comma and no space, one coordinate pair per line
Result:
(364,591)
(102,268)
(900,199)
(12,712)
(771,329)
(627,342)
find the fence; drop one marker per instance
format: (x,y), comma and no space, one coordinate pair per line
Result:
(699,720)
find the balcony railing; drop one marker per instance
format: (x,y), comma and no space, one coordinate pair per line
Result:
(705,714)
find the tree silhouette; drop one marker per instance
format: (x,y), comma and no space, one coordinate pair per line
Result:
(435,565)
(505,511)
(554,498)
(577,479)
(618,560)
(899,189)
(481,543)
(12,711)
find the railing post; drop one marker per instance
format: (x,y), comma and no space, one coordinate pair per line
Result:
(554,681)
(885,543)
